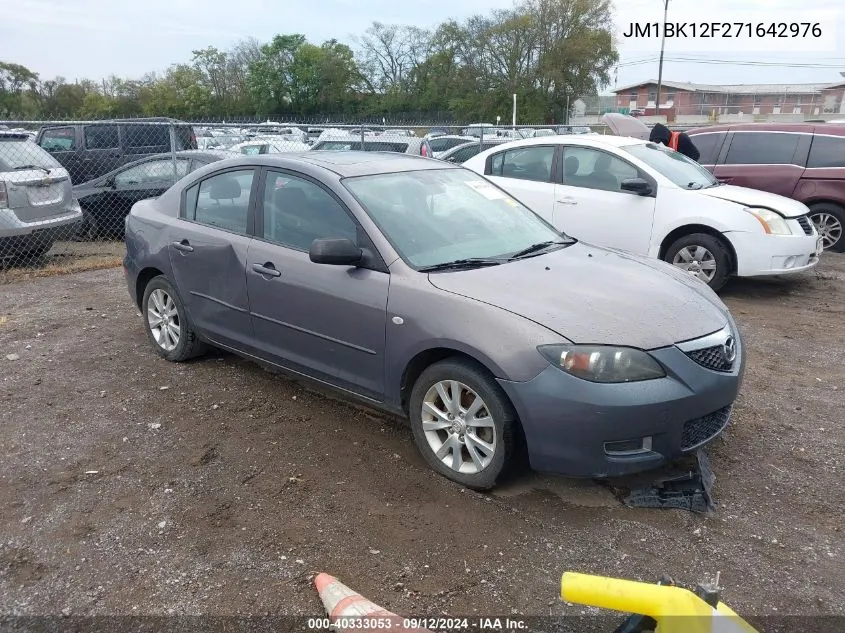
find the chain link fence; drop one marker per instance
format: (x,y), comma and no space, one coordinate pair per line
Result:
(66,187)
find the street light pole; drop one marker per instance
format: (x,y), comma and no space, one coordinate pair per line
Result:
(660,66)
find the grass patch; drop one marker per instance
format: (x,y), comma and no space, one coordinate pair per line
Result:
(64,266)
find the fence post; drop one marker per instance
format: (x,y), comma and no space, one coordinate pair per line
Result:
(363,149)
(481,139)
(172,128)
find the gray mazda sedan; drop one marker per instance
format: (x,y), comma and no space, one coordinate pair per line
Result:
(421,288)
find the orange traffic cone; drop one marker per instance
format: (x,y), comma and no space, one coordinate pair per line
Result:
(347,609)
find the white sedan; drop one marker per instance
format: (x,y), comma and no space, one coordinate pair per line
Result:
(644,198)
(270,145)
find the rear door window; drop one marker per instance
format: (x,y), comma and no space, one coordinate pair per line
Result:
(102,137)
(59,139)
(762,148)
(827,151)
(525,163)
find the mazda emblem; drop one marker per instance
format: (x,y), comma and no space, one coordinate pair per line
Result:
(729,349)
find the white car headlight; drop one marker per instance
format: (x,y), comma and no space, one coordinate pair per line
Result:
(773,222)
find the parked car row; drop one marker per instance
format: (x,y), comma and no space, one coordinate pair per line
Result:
(553,296)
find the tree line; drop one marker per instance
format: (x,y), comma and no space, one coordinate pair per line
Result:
(544,51)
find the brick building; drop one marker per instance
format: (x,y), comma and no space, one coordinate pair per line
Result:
(681,99)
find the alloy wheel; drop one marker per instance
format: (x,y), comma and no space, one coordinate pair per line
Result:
(163,319)
(829,228)
(697,261)
(458,427)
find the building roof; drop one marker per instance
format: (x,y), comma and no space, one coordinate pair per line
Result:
(747,89)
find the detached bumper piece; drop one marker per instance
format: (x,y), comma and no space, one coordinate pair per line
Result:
(690,490)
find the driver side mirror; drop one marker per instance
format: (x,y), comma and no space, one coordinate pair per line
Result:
(110,183)
(638,186)
(335,252)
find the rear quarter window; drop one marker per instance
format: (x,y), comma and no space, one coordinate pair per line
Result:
(146,139)
(708,144)
(827,151)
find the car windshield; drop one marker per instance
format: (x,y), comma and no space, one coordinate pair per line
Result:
(369,146)
(681,170)
(442,215)
(445,142)
(19,153)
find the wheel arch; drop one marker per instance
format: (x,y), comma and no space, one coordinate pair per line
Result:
(426,358)
(688,229)
(816,201)
(144,277)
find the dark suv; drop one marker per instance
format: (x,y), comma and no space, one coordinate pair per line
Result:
(89,150)
(804,161)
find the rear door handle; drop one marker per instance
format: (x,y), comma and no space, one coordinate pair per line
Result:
(183,246)
(567,201)
(266,268)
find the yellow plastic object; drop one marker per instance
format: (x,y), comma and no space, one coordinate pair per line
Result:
(675,609)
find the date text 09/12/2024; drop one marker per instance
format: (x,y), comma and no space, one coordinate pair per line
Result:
(745,30)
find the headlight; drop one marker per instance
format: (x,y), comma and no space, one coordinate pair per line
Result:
(605,364)
(773,223)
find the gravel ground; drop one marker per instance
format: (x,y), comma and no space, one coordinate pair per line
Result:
(129,485)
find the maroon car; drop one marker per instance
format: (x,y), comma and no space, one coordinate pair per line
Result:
(804,161)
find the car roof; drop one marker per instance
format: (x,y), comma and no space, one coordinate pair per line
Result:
(593,140)
(348,163)
(837,129)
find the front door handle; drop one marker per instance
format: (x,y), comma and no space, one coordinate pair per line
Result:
(183,246)
(567,201)
(266,268)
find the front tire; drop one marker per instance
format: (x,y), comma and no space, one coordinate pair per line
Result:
(463,424)
(830,223)
(703,256)
(166,321)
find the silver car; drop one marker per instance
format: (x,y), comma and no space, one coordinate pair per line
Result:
(37,205)
(380,143)
(419,287)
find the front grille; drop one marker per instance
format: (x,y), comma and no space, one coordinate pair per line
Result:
(697,432)
(805,223)
(711,358)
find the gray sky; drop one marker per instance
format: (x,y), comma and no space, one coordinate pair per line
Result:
(95,38)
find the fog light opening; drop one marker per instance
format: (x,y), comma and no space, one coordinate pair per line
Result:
(624,448)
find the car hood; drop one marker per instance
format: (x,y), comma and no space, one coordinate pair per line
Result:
(787,207)
(625,125)
(593,295)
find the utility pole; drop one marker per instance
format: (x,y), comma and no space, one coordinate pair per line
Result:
(660,67)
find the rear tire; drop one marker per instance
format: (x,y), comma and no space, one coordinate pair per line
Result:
(829,220)
(468,436)
(88,229)
(702,255)
(166,321)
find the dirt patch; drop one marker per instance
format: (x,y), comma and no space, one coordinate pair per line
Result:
(129,485)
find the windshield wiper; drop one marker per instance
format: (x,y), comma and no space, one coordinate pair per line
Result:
(539,246)
(22,167)
(470,262)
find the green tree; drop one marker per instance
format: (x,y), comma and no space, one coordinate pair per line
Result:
(15,82)
(269,78)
